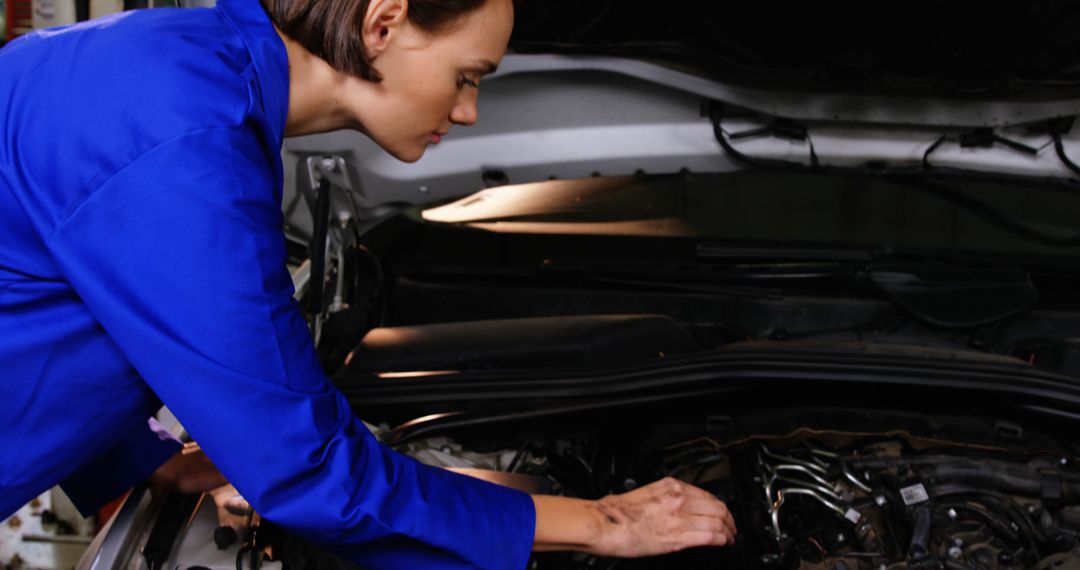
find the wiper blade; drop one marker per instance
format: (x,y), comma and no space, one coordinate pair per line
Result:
(762,293)
(954,296)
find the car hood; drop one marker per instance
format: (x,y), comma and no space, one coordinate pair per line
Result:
(597,87)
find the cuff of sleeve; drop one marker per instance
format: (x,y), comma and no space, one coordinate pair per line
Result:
(107,476)
(495,525)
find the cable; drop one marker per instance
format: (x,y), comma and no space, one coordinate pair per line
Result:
(913,180)
(318,247)
(1059,146)
(993,215)
(1048,183)
(926,156)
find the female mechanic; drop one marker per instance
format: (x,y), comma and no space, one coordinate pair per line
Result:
(142,262)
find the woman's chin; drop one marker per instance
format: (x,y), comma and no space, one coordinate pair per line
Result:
(409,154)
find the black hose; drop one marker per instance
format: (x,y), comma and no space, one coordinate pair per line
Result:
(321,223)
(994,475)
(920,534)
(982,475)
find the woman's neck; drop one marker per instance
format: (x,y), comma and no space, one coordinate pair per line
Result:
(315,92)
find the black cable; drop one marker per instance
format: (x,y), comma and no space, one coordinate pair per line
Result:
(240,557)
(321,223)
(1059,146)
(1055,183)
(517,456)
(993,215)
(926,156)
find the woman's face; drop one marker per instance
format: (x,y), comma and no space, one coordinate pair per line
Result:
(430,80)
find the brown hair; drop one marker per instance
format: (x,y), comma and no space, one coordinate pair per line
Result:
(330,29)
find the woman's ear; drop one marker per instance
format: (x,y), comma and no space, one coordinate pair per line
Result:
(384,18)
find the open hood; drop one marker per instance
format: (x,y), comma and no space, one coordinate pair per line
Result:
(962,49)
(599,87)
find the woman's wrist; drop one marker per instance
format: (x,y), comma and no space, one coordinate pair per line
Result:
(564,523)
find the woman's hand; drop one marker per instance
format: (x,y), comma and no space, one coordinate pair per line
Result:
(189,471)
(666,516)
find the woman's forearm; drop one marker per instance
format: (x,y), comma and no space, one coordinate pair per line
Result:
(564,523)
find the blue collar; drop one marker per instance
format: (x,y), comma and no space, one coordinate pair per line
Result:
(269,56)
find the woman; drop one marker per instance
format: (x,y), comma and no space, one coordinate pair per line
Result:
(141,261)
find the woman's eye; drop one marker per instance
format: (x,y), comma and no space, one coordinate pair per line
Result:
(466,82)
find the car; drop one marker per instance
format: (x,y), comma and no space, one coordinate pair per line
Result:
(817,260)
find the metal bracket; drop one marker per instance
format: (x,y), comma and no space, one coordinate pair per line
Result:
(330,168)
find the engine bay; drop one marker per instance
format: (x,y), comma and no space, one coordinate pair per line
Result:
(826,499)
(911,492)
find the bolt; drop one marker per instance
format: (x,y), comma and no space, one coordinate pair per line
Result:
(329,164)
(955,553)
(840,538)
(880,500)
(952,514)
(958,542)
(1031,509)
(424,190)
(224,537)
(629,484)
(1064,461)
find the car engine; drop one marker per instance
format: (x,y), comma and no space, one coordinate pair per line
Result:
(828,500)
(807,498)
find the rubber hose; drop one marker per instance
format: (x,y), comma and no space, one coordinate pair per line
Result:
(978,474)
(920,534)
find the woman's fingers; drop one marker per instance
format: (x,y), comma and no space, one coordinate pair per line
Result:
(698,501)
(696,538)
(711,525)
(714,508)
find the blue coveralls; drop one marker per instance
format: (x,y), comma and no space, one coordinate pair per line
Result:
(142,260)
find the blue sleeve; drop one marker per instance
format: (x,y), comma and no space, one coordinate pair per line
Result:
(181,258)
(108,475)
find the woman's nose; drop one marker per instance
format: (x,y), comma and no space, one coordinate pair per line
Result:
(465,112)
